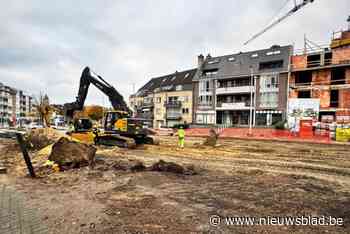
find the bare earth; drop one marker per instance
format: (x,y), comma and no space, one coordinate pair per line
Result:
(237,178)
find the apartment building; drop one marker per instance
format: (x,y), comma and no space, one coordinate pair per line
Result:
(6,102)
(14,104)
(324,73)
(227,88)
(165,101)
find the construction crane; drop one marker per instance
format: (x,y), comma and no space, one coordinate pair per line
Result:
(296,8)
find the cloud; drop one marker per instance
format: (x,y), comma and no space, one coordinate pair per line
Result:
(45,44)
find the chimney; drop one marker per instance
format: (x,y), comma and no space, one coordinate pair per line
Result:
(200,60)
(208,56)
(348,23)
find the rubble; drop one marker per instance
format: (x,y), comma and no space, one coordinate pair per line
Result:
(71,154)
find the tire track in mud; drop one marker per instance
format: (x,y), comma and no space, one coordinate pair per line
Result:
(270,164)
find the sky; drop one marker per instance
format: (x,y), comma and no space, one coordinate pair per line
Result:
(45,45)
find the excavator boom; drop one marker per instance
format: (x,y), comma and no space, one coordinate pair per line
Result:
(89,77)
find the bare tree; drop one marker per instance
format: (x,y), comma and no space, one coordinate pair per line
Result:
(42,105)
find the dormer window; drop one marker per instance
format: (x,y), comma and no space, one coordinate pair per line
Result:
(174,77)
(273,52)
(254,55)
(231,59)
(187,74)
(213,61)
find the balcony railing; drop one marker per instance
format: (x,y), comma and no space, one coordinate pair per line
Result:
(233,105)
(173,116)
(205,105)
(236,89)
(173,104)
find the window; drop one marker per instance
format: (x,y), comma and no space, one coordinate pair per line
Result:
(185,111)
(178,87)
(205,86)
(338,76)
(213,61)
(273,52)
(334,98)
(303,78)
(210,72)
(159,100)
(187,74)
(269,100)
(271,65)
(173,78)
(254,55)
(231,59)
(268,82)
(304,94)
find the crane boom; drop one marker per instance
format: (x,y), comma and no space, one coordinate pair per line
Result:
(274,23)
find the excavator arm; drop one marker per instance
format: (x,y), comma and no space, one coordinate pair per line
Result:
(89,77)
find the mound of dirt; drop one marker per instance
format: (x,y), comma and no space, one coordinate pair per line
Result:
(163,166)
(129,165)
(71,154)
(40,138)
(212,138)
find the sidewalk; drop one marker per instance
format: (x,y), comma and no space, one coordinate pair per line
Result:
(14,216)
(262,134)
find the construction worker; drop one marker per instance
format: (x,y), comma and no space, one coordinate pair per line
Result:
(70,126)
(181,136)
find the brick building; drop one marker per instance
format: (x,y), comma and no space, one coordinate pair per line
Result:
(324,73)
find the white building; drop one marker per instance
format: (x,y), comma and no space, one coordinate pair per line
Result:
(14,104)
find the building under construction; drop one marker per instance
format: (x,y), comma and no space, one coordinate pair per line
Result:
(324,73)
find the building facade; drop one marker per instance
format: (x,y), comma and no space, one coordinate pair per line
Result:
(14,104)
(324,73)
(165,101)
(237,89)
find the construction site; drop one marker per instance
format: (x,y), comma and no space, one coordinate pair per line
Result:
(250,142)
(165,189)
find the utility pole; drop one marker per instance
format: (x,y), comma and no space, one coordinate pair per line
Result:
(251,101)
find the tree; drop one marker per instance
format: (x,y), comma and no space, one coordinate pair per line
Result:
(42,105)
(94,112)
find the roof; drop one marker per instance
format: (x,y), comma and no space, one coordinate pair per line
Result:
(240,64)
(168,82)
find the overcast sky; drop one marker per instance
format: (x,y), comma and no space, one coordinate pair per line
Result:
(45,45)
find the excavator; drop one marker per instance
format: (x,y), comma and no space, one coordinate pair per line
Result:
(119,128)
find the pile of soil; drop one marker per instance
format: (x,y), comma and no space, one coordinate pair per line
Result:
(212,139)
(71,154)
(39,138)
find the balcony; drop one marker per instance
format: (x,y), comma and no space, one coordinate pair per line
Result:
(205,105)
(173,116)
(173,104)
(147,105)
(233,105)
(236,89)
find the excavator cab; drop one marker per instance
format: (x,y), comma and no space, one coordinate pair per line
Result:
(83,131)
(116,120)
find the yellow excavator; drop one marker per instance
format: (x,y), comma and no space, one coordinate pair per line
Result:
(119,129)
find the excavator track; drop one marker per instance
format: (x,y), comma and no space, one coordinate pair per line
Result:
(116,140)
